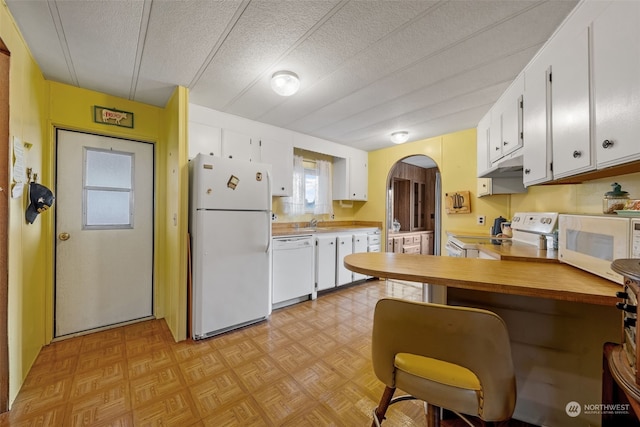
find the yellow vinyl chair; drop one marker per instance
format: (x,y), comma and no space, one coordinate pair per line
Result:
(450,357)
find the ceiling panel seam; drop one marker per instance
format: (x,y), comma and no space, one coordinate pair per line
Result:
(432,84)
(413,63)
(62,38)
(293,47)
(409,112)
(214,51)
(142,37)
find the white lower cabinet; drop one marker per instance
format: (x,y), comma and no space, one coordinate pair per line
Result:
(344,247)
(360,244)
(325,262)
(331,248)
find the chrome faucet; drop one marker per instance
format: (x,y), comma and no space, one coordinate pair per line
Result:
(313,223)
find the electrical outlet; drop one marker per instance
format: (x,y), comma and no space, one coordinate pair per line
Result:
(480,220)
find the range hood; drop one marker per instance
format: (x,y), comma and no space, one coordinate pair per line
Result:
(508,166)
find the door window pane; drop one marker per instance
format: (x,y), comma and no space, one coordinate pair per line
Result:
(108,189)
(109,169)
(108,208)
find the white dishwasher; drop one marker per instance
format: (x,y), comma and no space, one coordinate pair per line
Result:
(293,271)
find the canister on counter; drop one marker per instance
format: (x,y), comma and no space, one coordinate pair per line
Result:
(615,199)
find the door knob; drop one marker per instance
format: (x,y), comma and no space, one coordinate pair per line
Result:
(64,236)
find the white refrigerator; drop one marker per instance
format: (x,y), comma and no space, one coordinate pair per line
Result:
(230,226)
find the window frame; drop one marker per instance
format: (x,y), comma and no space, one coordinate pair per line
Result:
(87,188)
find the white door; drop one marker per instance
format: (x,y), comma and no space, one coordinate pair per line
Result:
(104,231)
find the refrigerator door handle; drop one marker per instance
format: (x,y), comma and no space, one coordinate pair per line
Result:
(268,212)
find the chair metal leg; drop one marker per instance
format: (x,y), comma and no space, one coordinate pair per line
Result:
(433,415)
(385,400)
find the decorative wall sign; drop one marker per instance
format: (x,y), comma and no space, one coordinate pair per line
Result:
(111,116)
(458,202)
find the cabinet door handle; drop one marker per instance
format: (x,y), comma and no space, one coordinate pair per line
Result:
(497,148)
(527,171)
(607,143)
(505,143)
(577,154)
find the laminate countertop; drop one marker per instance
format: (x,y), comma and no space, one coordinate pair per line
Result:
(299,229)
(514,251)
(536,279)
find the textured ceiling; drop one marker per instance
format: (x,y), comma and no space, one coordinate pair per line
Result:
(367,67)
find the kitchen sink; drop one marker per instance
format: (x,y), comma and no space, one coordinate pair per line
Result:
(306,229)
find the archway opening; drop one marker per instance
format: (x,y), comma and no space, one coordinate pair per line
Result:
(413,218)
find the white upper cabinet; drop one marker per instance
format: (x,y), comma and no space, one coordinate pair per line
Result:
(537,121)
(236,145)
(204,139)
(482,135)
(570,111)
(359,175)
(506,122)
(616,83)
(350,176)
(279,154)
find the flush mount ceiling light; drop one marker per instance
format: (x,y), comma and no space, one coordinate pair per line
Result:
(285,83)
(399,137)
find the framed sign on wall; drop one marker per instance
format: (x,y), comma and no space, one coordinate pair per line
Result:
(111,116)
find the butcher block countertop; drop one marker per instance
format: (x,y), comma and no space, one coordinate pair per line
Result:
(536,279)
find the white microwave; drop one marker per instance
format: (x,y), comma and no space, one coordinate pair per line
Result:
(592,242)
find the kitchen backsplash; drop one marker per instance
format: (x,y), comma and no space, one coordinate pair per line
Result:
(575,198)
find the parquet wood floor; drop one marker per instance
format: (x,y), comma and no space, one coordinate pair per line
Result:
(308,365)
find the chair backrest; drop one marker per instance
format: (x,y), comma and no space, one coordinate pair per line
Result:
(474,338)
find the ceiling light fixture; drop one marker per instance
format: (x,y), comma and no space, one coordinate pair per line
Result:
(399,137)
(285,83)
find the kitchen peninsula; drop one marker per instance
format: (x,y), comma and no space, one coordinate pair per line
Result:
(558,317)
(544,280)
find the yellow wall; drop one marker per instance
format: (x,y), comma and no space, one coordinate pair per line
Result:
(36,108)
(455,156)
(28,269)
(173,197)
(578,198)
(72,108)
